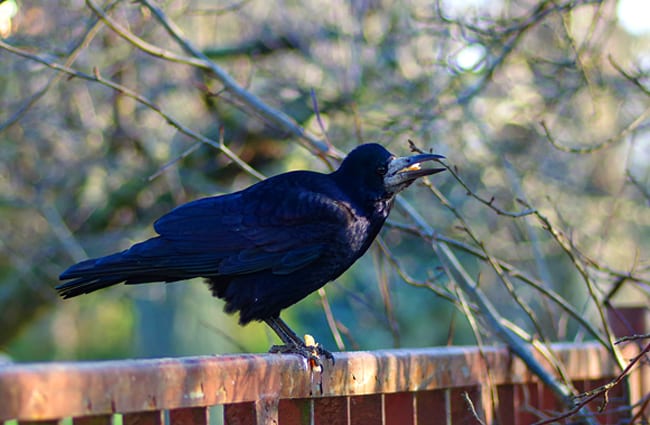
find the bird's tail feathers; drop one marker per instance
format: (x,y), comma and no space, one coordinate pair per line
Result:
(85,285)
(135,265)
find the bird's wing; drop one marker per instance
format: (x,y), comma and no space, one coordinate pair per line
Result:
(279,229)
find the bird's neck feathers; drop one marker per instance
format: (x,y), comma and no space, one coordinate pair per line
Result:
(370,198)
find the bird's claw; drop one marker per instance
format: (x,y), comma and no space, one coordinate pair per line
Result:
(316,348)
(312,353)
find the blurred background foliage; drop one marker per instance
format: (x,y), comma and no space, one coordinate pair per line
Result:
(541,101)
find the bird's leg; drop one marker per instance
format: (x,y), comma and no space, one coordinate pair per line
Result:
(285,333)
(313,345)
(293,343)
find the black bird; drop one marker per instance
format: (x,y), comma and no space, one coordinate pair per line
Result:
(266,247)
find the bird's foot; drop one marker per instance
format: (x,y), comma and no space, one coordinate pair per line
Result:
(311,343)
(310,350)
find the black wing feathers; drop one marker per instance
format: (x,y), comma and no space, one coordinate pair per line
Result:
(278,226)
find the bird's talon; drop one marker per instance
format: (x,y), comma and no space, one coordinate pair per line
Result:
(317,349)
(312,353)
(324,353)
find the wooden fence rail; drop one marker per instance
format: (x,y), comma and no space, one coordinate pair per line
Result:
(433,385)
(447,385)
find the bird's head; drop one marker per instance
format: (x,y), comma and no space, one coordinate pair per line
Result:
(375,171)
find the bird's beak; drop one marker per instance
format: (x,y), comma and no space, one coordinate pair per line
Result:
(405,170)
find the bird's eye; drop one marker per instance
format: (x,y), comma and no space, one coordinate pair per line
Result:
(381,170)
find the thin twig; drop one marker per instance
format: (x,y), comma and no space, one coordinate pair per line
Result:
(384,290)
(489,312)
(442,292)
(471,318)
(96,77)
(567,247)
(489,258)
(246,97)
(331,321)
(74,53)
(635,337)
(510,269)
(471,408)
(638,185)
(589,396)
(487,202)
(600,146)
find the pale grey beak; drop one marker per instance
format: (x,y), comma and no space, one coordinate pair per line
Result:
(405,170)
